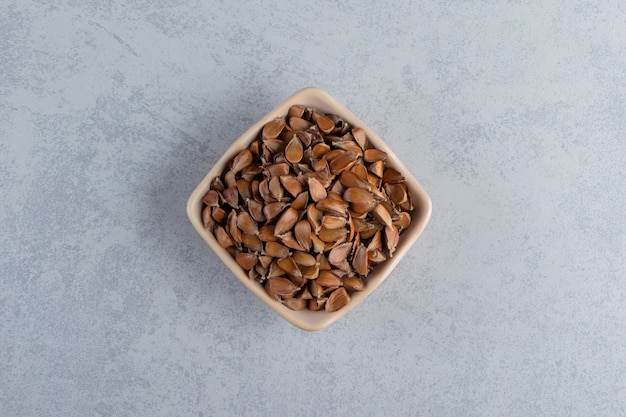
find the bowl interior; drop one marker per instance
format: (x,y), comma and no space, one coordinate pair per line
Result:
(314,320)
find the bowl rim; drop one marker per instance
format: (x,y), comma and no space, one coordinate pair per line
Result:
(309,320)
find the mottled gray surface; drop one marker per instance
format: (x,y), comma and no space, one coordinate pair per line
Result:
(510,113)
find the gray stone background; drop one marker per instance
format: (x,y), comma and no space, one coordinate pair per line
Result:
(510,113)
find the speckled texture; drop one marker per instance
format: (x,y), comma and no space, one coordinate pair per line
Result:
(511,114)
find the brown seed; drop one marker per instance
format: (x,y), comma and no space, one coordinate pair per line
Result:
(303,258)
(381,214)
(277,170)
(276,189)
(324,123)
(222,237)
(404,221)
(391,239)
(360,199)
(353,283)
(376,256)
(265,261)
(283,287)
(349,145)
(292,185)
(252,242)
(272,210)
(360,261)
(286,221)
(376,242)
(290,241)
(243,187)
(349,179)
(315,217)
(337,300)
(231,196)
(316,189)
(255,209)
(296,304)
(246,260)
(342,162)
(264,191)
(271,293)
(242,160)
(333,154)
(272,129)
(276,250)
(339,253)
(251,171)
(298,124)
(296,110)
(217,184)
(310,272)
(377,168)
(294,150)
(207,219)
(211,198)
(360,170)
(332,206)
(392,176)
(275,270)
(232,228)
(397,193)
(320,165)
(328,279)
(315,289)
(266,233)
(301,201)
(302,232)
(289,266)
(320,149)
(276,146)
(317,244)
(219,214)
(246,223)
(333,222)
(360,137)
(333,235)
(373,155)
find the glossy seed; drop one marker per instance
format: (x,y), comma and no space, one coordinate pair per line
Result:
(339,253)
(360,137)
(286,221)
(296,110)
(302,233)
(323,122)
(207,218)
(255,208)
(294,151)
(303,258)
(373,155)
(291,184)
(301,201)
(333,222)
(266,233)
(337,300)
(252,242)
(290,241)
(316,189)
(242,160)
(349,179)
(272,210)
(381,214)
(342,162)
(360,261)
(223,238)
(272,129)
(296,304)
(246,260)
(211,198)
(299,124)
(276,250)
(328,279)
(360,199)
(283,287)
(288,265)
(353,283)
(231,196)
(246,223)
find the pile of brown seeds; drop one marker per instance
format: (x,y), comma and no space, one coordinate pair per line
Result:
(309,209)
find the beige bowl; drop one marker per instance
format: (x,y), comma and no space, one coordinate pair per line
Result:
(314,320)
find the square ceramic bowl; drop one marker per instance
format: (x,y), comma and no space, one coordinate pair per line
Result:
(314,320)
